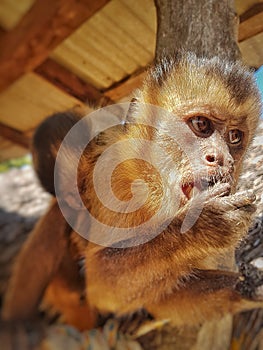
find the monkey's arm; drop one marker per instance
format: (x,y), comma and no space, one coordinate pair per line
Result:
(65,295)
(163,266)
(206,295)
(36,264)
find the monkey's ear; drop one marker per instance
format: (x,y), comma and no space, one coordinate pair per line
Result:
(132,111)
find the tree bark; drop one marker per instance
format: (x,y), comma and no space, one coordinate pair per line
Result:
(206,27)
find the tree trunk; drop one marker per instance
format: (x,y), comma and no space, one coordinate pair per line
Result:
(206,27)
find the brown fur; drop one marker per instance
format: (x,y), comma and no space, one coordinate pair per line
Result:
(170,275)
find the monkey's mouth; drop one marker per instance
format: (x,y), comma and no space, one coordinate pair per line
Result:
(190,188)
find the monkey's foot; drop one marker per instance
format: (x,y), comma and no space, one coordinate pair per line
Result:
(130,323)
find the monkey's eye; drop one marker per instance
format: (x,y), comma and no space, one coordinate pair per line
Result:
(201,126)
(235,136)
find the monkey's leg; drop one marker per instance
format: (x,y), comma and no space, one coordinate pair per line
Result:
(206,295)
(36,264)
(65,295)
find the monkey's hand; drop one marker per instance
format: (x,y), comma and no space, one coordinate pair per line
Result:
(207,295)
(225,217)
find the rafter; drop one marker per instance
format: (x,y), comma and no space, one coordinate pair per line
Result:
(70,83)
(45,25)
(251,22)
(16,136)
(125,88)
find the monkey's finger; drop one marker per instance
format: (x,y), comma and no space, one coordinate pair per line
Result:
(219,190)
(234,207)
(241,200)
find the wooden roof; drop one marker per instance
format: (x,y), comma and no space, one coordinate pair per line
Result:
(55,54)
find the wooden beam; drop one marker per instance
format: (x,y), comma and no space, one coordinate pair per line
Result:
(251,22)
(2,31)
(45,25)
(9,150)
(16,136)
(124,89)
(251,11)
(70,83)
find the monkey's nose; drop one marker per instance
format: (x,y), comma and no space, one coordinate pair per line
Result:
(213,159)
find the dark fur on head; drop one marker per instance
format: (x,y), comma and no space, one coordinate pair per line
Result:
(237,77)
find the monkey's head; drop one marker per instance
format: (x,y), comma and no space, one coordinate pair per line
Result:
(217,106)
(217,101)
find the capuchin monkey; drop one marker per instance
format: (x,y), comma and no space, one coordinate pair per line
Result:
(169,275)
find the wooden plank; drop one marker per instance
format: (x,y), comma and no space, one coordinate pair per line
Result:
(11,12)
(252,50)
(107,48)
(124,18)
(70,83)
(14,135)
(80,56)
(145,11)
(124,90)
(30,100)
(40,31)
(253,25)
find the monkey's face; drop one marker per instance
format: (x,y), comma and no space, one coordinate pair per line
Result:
(219,103)
(221,148)
(216,102)
(209,152)
(205,141)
